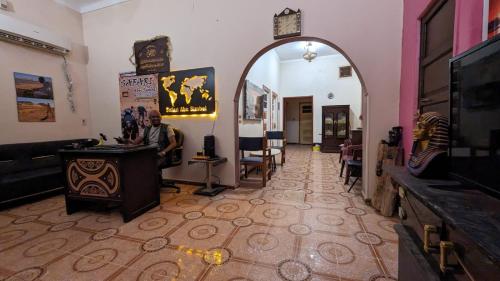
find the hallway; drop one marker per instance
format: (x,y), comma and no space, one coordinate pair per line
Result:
(302,226)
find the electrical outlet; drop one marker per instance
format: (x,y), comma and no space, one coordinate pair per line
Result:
(4,4)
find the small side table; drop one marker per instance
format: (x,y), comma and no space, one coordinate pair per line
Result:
(211,189)
(271,153)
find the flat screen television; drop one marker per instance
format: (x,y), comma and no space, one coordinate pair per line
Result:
(475,117)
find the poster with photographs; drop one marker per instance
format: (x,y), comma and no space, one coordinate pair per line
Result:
(35,98)
(138,96)
(494,18)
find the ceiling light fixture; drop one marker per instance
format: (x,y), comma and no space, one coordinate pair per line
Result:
(309,55)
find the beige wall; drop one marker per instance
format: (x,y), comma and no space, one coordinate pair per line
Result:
(14,58)
(226,34)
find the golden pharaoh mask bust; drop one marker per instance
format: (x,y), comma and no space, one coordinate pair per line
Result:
(430,144)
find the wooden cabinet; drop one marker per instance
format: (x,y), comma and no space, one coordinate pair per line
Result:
(450,229)
(335,127)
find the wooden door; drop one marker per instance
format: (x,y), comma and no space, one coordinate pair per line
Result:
(305,123)
(436,48)
(335,127)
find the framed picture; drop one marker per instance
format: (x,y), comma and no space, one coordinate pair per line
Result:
(35,98)
(252,101)
(345,71)
(187,92)
(267,91)
(493,21)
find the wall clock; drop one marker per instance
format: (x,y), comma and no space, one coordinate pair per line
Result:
(287,24)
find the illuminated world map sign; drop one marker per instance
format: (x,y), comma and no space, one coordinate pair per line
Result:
(187,92)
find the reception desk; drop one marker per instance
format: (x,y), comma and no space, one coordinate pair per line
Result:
(126,176)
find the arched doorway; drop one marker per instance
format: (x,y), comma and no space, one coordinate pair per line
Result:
(259,54)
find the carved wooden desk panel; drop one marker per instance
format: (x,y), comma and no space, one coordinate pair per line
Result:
(125,176)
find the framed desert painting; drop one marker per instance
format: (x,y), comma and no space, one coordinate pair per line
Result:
(34,97)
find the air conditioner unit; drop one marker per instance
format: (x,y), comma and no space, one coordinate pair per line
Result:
(19,32)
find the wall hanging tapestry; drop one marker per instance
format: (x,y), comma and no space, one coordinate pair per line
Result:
(152,56)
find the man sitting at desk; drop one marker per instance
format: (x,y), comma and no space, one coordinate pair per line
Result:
(161,134)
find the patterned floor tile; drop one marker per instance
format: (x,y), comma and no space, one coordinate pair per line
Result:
(17,234)
(151,225)
(275,215)
(263,244)
(334,221)
(44,249)
(202,234)
(164,264)
(97,260)
(241,271)
(303,225)
(228,209)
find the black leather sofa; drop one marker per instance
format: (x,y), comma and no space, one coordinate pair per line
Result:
(30,170)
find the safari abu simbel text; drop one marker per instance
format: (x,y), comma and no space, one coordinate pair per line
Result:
(187,92)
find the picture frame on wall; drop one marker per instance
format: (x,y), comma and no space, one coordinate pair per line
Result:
(252,101)
(34,98)
(189,92)
(491,19)
(345,71)
(138,97)
(267,91)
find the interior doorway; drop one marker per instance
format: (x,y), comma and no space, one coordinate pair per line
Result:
(298,121)
(306,76)
(306,122)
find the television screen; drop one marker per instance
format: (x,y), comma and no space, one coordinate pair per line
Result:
(475,116)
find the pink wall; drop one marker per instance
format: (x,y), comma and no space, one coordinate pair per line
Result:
(468,30)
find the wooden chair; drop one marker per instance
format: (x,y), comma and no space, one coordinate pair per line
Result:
(354,166)
(347,155)
(277,136)
(262,163)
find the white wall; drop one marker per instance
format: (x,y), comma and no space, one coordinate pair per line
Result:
(226,34)
(15,58)
(265,71)
(317,79)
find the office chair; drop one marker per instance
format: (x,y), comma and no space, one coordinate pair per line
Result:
(176,161)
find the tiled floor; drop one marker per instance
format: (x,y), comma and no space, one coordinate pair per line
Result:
(303,226)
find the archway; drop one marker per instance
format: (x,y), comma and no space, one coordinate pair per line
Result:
(259,54)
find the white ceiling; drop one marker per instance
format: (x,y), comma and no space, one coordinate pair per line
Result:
(85,6)
(295,50)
